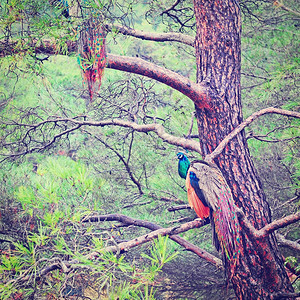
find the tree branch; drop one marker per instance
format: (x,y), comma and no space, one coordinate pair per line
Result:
(287,243)
(36,148)
(196,92)
(179,207)
(269,228)
(157,128)
(157,230)
(152,36)
(270,110)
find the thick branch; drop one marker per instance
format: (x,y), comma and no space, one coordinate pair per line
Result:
(195,92)
(152,36)
(249,120)
(130,221)
(269,228)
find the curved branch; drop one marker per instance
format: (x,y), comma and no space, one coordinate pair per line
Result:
(152,36)
(161,231)
(196,92)
(270,110)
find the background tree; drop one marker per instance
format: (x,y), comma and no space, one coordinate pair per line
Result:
(141,106)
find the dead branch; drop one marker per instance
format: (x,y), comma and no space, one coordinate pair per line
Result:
(157,230)
(36,148)
(152,36)
(270,110)
(285,296)
(287,202)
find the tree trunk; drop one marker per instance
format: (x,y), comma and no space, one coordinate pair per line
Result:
(260,271)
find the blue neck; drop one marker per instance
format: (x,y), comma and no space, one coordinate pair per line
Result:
(183,166)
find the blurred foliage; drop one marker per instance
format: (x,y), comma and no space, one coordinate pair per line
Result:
(46,193)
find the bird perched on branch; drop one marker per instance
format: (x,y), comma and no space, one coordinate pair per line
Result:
(210,196)
(92,54)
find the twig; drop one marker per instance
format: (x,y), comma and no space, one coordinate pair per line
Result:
(179,207)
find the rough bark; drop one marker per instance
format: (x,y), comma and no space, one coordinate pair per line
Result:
(260,271)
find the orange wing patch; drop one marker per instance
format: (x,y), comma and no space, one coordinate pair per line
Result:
(201,210)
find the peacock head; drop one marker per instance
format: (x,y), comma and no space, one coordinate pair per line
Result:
(183,164)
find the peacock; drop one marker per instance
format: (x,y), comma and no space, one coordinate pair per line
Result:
(92,54)
(210,196)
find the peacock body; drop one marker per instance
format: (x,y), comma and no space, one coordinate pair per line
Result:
(210,196)
(92,54)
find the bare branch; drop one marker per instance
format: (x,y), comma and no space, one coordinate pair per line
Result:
(287,243)
(36,148)
(269,228)
(152,36)
(158,230)
(125,163)
(287,202)
(281,296)
(157,128)
(249,120)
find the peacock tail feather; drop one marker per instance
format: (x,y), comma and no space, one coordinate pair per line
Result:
(226,228)
(92,54)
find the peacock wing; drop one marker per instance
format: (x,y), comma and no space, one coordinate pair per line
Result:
(195,201)
(210,182)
